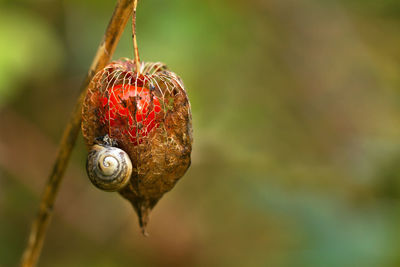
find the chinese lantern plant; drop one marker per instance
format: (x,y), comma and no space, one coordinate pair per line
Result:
(136,122)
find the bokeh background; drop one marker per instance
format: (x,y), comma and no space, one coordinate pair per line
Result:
(296,113)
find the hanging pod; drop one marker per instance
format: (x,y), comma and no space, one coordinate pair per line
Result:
(136,123)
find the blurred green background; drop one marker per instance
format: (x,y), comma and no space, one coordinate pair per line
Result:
(296,113)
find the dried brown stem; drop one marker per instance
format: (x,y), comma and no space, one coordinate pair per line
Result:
(106,49)
(135,46)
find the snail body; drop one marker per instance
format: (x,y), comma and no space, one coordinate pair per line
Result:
(109,168)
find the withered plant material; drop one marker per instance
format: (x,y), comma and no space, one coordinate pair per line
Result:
(105,51)
(148,116)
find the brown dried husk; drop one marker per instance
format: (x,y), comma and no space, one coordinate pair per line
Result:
(161,157)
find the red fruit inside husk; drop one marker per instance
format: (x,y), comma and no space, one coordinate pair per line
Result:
(146,115)
(119,114)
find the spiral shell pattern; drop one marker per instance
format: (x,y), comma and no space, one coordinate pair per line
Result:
(109,168)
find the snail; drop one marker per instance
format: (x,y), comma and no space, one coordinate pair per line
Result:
(109,168)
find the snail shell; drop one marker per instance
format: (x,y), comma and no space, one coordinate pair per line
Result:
(109,168)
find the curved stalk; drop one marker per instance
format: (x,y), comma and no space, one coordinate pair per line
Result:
(106,49)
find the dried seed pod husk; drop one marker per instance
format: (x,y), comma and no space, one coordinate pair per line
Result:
(158,142)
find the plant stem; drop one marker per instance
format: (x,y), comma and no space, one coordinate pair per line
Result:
(104,53)
(135,46)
